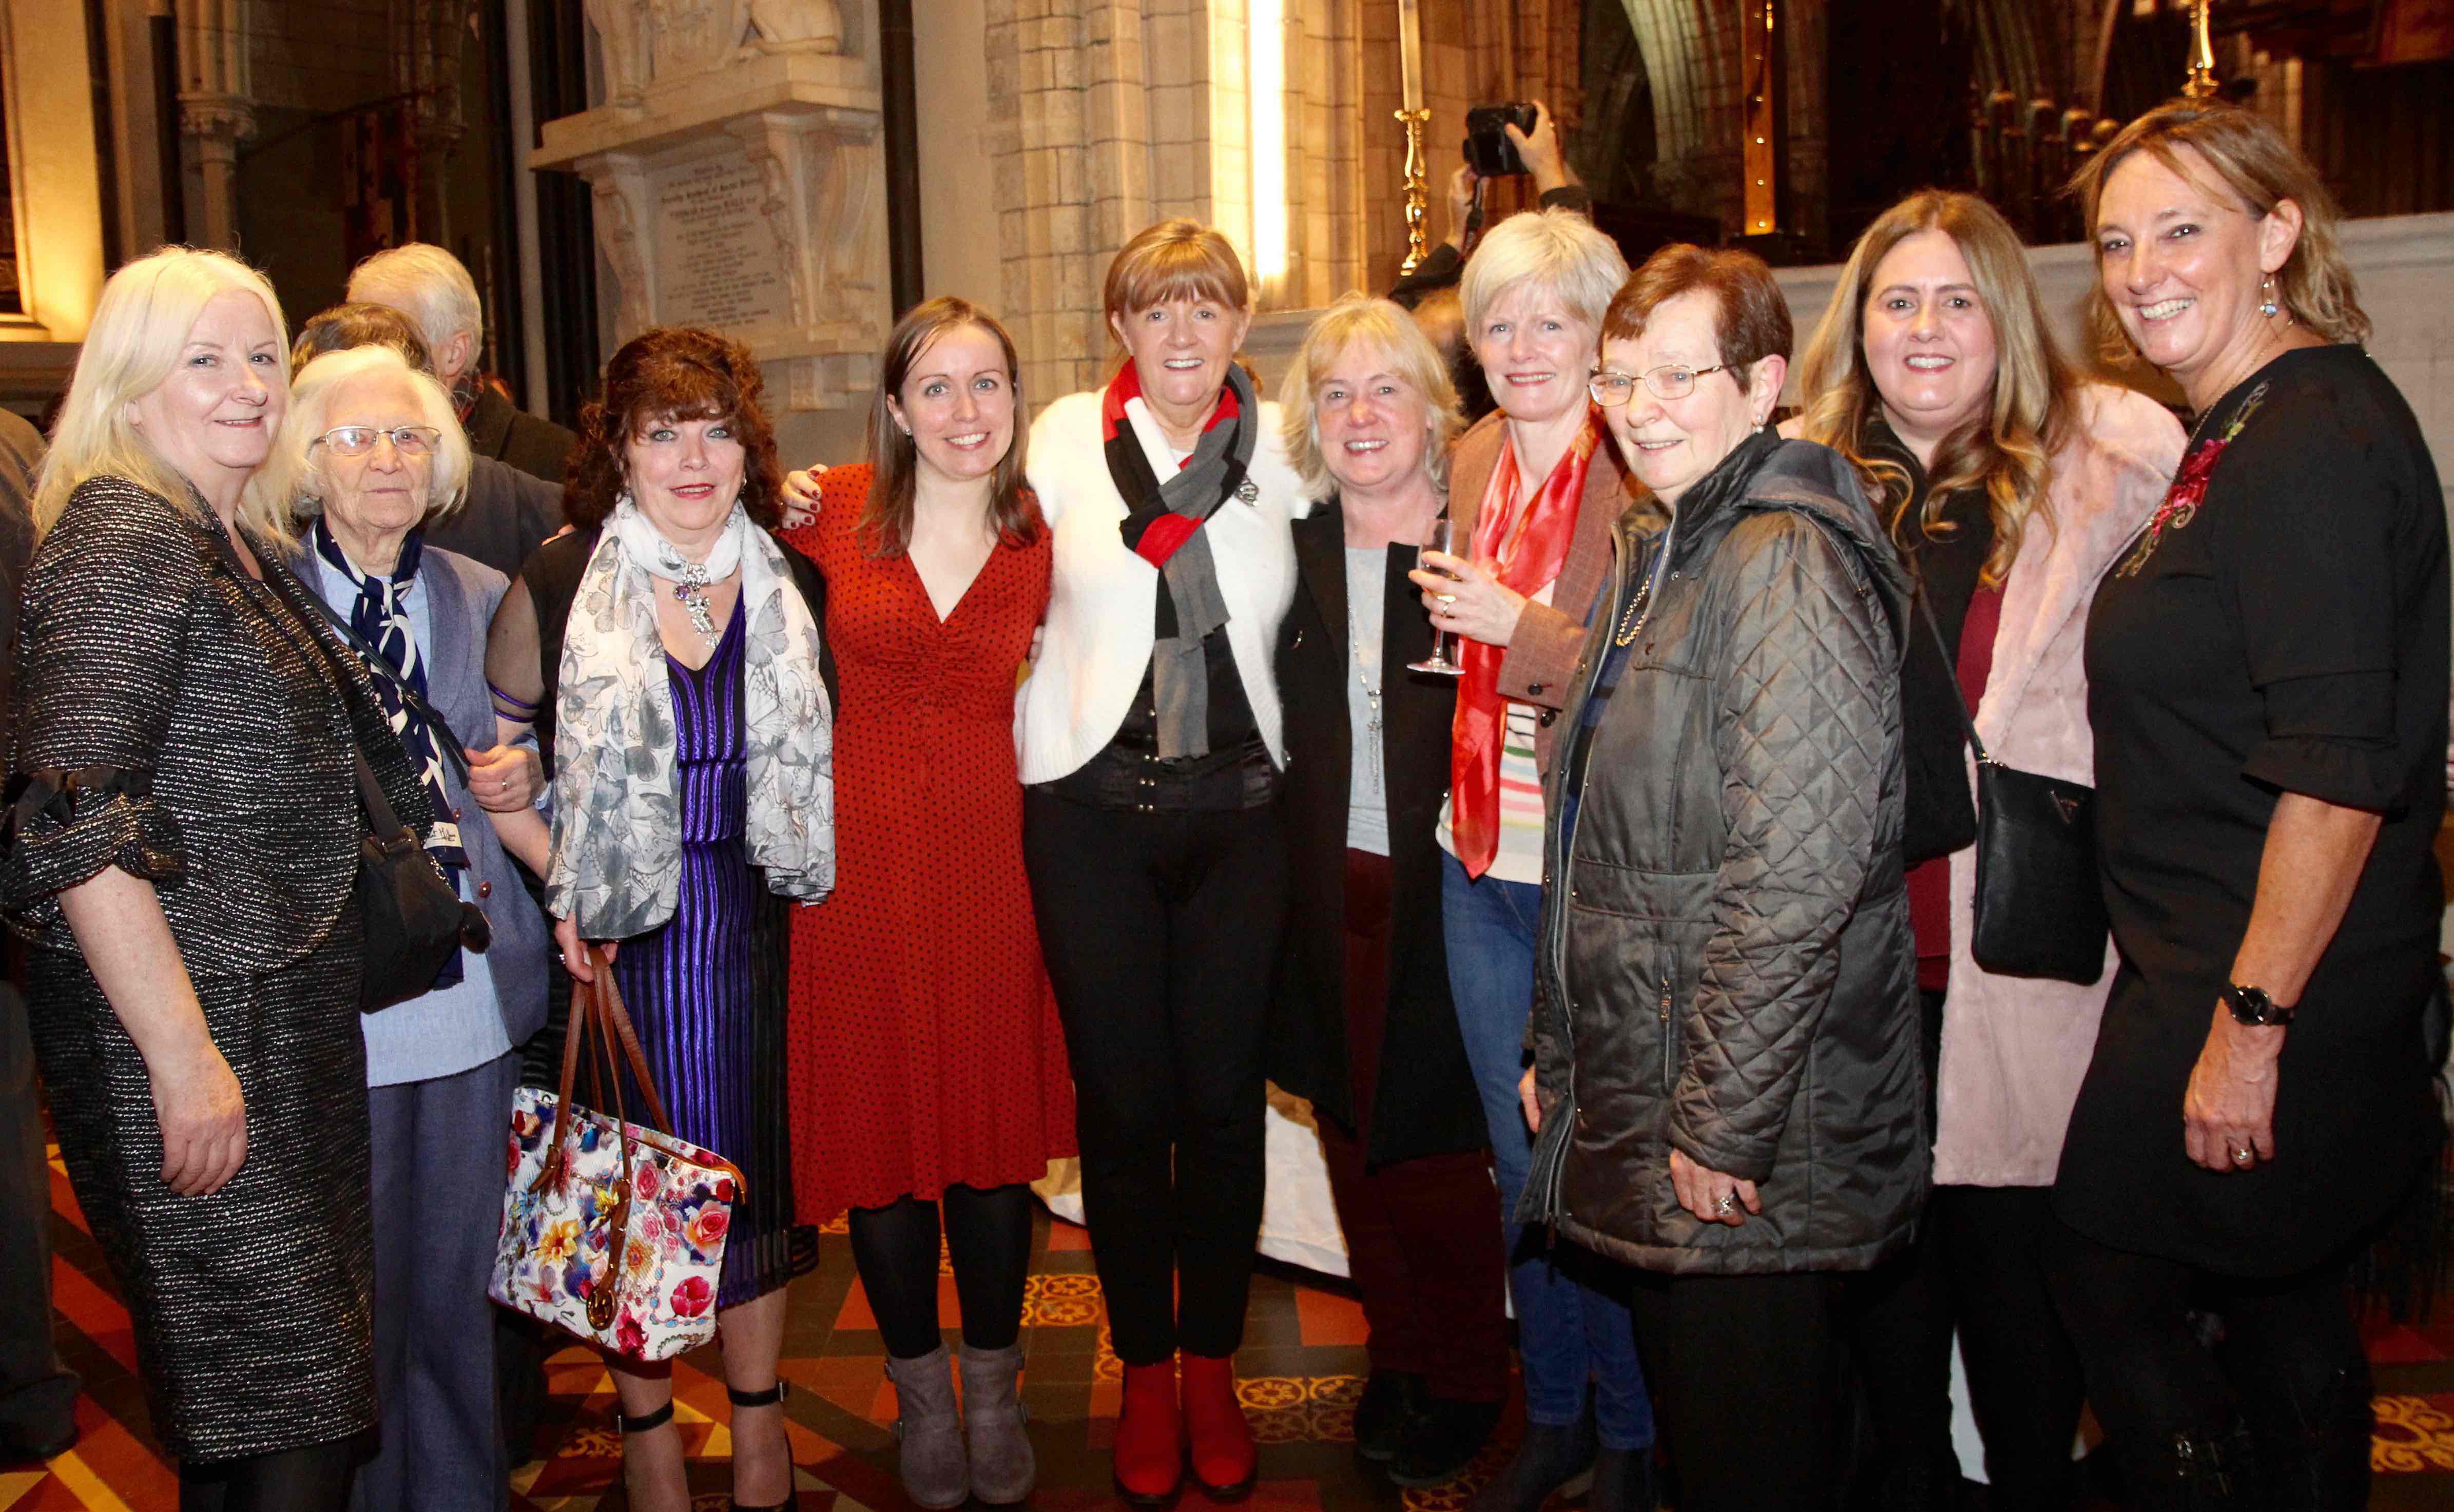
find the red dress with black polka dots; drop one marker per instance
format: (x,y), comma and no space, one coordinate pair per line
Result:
(924,1041)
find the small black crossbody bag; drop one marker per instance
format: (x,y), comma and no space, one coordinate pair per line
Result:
(2040,905)
(412,917)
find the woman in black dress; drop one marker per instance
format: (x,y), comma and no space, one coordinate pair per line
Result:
(2267,684)
(180,844)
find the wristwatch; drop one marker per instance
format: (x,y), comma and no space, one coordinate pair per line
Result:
(2251,1007)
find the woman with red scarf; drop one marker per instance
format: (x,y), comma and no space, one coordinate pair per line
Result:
(1532,492)
(1151,747)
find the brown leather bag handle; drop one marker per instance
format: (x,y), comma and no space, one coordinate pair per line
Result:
(615,1023)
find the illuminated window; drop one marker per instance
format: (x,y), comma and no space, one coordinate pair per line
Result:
(1266,87)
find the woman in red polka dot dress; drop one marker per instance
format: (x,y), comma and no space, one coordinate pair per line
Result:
(929,1070)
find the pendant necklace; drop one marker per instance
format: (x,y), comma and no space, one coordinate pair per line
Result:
(690,589)
(1371,694)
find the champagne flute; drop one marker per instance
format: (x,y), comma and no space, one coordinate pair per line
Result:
(1443,539)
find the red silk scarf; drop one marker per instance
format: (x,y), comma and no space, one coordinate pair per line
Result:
(1528,545)
(1161,530)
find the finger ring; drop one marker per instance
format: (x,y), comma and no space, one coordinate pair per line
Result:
(1727,1205)
(1445,599)
(2244,1156)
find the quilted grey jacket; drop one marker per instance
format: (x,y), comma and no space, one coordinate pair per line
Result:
(1728,969)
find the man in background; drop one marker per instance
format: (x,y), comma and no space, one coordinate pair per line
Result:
(433,290)
(37,1393)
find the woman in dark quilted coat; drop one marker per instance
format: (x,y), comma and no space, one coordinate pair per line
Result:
(1729,1085)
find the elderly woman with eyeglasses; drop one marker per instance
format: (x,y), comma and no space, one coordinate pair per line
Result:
(1726,1046)
(370,455)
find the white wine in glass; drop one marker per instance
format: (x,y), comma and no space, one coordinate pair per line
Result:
(1441,539)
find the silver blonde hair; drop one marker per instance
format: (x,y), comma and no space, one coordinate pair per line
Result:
(1361,320)
(291,468)
(140,328)
(1558,250)
(427,284)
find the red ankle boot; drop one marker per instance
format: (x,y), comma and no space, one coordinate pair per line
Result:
(1224,1464)
(1150,1436)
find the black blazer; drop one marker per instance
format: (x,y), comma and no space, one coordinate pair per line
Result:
(539,448)
(1426,1103)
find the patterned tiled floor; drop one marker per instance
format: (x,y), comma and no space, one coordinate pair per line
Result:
(1302,1365)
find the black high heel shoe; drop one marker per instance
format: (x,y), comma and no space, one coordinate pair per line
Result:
(773,1396)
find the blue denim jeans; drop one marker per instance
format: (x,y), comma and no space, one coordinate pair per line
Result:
(1571,1323)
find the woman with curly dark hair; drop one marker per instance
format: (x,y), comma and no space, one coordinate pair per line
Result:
(686,721)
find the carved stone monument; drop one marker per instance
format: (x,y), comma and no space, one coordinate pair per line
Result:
(735,168)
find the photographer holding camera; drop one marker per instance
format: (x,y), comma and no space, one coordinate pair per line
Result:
(1501,147)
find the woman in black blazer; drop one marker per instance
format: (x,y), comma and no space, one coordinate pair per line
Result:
(1361,1021)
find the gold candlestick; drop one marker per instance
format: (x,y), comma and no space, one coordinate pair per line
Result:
(1419,244)
(2202,84)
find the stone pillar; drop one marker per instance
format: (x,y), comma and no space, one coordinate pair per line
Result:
(738,184)
(217,108)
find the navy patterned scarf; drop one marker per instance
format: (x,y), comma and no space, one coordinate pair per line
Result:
(380,615)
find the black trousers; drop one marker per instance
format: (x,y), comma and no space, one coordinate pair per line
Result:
(1746,1373)
(1161,932)
(2288,1368)
(1977,1266)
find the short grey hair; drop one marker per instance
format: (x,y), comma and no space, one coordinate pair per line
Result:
(427,284)
(1558,250)
(1361,320)
(291,473)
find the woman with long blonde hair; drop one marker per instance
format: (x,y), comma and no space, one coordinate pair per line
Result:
(2008,484)
(181,843)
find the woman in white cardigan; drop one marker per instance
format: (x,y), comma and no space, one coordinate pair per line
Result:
(2010,485)
(1150,744)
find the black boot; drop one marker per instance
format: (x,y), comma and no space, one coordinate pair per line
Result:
(1388,1407)
(1623,1481)
(2191,1472)
(1442,1440)
(2319,1460)
(1547,1459)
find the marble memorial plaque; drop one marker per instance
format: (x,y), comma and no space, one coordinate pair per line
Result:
(718,263)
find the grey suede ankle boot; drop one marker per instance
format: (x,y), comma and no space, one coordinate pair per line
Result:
(1003,1469)
(936,1473)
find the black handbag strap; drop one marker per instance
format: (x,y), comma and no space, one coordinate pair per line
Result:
(1950,667)
(389,832)
(445,740)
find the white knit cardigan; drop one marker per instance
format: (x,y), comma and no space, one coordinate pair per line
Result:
(1102,598)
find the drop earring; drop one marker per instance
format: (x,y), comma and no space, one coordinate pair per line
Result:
(2266,305)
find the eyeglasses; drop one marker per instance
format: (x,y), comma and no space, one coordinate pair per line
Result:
(1612,389)
(358,440)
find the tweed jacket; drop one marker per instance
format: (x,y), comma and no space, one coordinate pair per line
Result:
(461,598)
(171,724)
(1724,966)
(1542,654)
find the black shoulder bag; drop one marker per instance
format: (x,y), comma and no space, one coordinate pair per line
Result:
(2039,905)
(411,916)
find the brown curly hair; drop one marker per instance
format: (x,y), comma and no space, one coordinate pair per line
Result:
(673,373)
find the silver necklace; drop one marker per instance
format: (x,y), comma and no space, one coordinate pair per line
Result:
(1371,691)
(691,588)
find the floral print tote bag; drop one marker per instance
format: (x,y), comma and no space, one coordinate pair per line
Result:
(611,1231)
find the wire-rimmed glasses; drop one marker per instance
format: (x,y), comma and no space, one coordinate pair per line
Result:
(1673,380)
(358,440)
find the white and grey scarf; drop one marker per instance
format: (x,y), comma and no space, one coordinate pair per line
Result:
(616,866)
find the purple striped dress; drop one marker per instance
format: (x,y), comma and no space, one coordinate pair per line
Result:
(705,989)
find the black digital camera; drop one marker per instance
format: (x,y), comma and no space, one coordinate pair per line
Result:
(1488,151)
